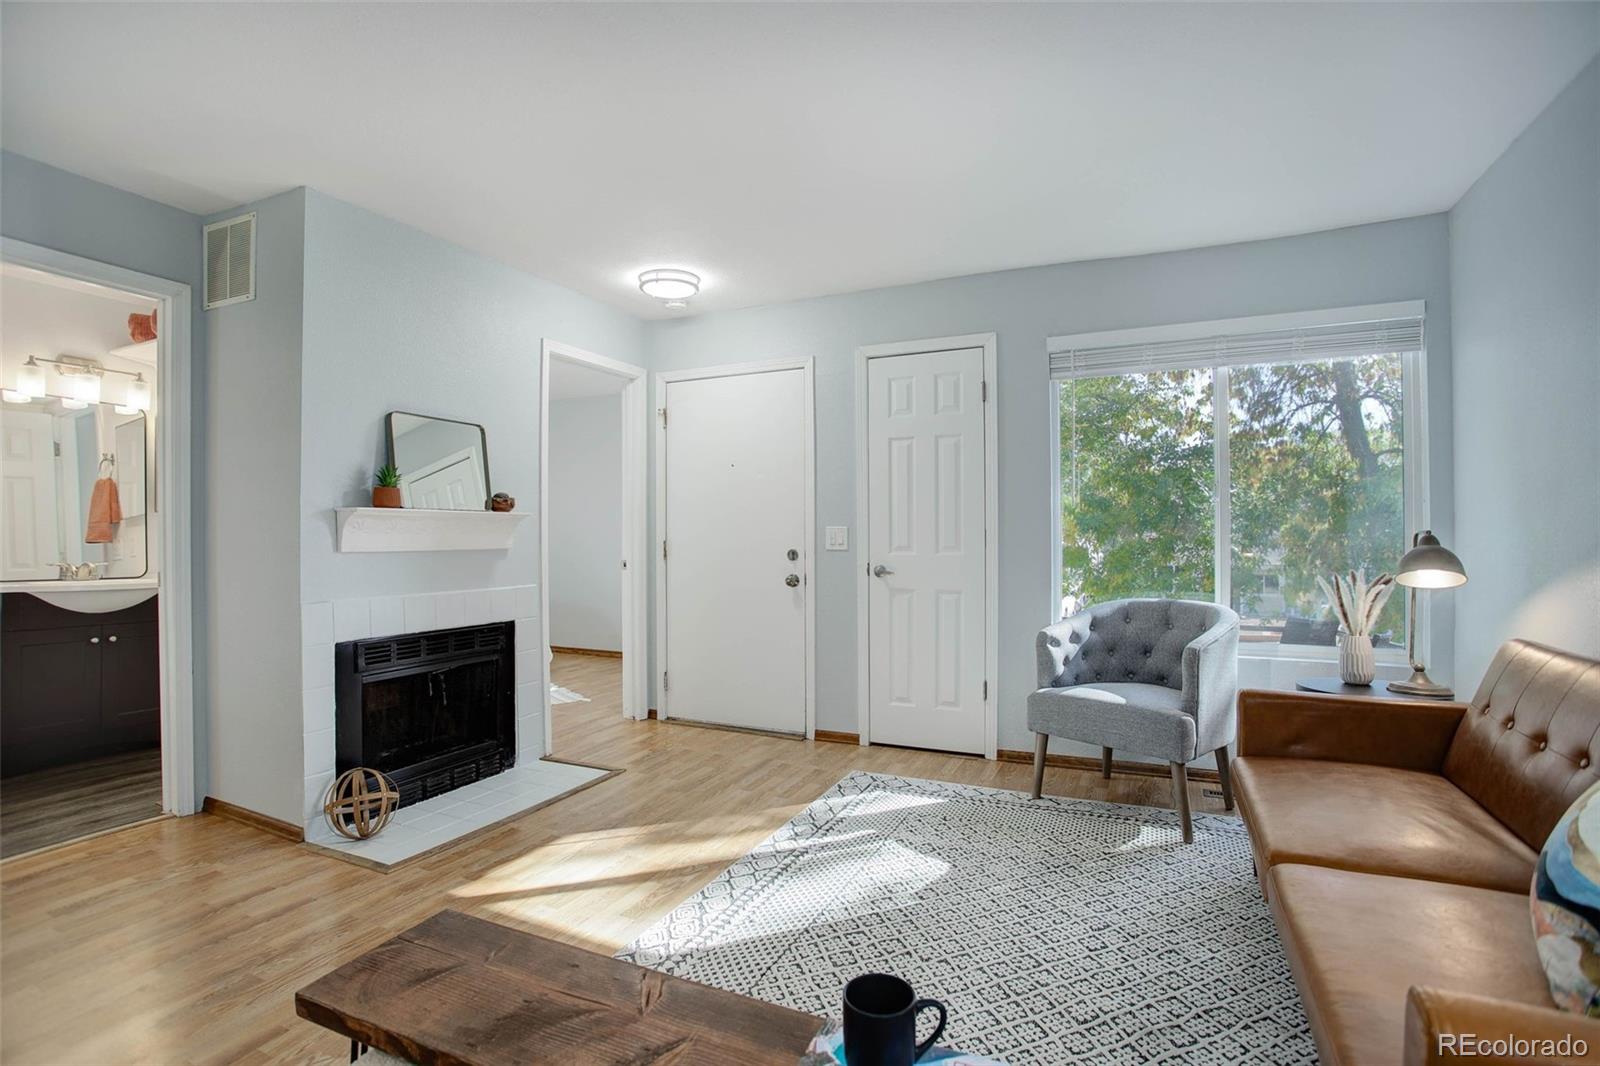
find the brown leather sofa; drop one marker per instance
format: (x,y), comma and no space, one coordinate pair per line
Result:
(1395,841)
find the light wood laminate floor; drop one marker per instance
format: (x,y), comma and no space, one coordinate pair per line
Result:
(183,940)
(67,802)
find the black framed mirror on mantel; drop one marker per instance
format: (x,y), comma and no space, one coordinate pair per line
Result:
(443,462)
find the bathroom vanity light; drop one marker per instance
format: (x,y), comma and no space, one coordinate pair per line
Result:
(84,387)
(30,380)
(137,397)
(80,385)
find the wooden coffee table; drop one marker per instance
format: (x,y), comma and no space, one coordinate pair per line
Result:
(458,989)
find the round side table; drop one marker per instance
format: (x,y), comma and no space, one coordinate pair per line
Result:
(1379,689)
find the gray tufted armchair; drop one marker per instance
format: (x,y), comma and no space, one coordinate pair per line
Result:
(1154,677)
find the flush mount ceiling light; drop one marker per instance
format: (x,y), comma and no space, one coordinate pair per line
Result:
(673,287)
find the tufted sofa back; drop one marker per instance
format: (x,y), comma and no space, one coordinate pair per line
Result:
(1136,640)
(1529,743)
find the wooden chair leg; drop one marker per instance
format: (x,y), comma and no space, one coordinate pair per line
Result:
(1105,763)
(1226,775)
(1041,742)
(1180,799)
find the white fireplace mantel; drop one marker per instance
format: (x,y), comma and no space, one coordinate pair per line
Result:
(399,529)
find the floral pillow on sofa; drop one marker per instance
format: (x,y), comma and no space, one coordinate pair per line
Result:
(1565,898)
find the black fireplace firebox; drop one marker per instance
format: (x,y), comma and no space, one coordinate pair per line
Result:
(434,711)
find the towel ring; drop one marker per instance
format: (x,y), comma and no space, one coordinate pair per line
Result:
(106,457)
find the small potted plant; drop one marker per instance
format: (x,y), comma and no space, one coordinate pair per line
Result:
(1358,605)
(386,493)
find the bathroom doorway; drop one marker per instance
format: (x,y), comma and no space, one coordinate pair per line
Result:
(592,513)
(95,678)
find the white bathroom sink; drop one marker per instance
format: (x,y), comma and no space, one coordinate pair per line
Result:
(91,597)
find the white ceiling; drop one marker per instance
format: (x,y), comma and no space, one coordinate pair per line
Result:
(571,381)
(794,150)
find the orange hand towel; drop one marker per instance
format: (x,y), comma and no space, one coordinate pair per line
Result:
(105,511)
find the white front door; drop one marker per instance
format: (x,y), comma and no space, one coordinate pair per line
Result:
(28,473)
(735,469)
(925,550)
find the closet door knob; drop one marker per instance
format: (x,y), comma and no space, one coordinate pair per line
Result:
(112,638)
(94,640)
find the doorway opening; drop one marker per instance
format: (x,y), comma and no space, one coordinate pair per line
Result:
(95,682)
(592,489)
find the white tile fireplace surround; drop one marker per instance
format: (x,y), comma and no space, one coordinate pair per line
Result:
(326,623)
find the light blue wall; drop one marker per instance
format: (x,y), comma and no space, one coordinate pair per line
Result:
(1401,260)
(398,320)
(251,504)
(56,209)
(1525,274)
(586,522)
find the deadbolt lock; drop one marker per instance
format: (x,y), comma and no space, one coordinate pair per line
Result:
(793,554)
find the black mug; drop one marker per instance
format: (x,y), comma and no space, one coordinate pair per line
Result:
(880,1022)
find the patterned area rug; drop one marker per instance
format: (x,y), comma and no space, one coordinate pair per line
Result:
(565,695)
(1056,930)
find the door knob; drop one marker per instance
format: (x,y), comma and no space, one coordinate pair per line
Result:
(793,581)
(112,638)
(881,571)
(94,640)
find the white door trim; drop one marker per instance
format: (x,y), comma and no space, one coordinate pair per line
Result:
(808,447)
(635,664)
(175,608)
(991,523)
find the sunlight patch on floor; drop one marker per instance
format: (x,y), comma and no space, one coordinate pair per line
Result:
(1150,837)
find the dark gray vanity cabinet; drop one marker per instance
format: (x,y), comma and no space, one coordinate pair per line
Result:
(75,686)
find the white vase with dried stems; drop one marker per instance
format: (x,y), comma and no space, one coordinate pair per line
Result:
(1358,605)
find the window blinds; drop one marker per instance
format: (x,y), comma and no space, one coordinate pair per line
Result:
(1299,345)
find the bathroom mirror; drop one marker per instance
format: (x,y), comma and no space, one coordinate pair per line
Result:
(443,463)
(54,463)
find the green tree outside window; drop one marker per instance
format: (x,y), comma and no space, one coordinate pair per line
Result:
(1316,471)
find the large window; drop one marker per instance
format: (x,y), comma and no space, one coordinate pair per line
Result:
(1273,458)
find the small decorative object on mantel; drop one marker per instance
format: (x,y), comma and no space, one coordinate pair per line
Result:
(360,803)
(501,502)
(386,493)
(1358,605)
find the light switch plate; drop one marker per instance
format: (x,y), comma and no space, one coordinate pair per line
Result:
(836,538)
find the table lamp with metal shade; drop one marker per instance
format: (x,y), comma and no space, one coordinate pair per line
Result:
(1428,565)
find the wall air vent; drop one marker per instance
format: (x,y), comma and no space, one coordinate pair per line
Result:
(231,261)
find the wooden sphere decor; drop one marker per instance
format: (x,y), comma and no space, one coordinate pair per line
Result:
(360,803)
